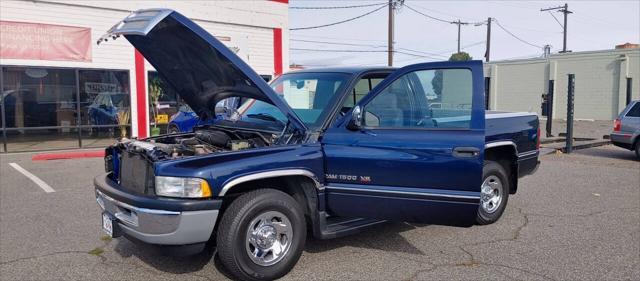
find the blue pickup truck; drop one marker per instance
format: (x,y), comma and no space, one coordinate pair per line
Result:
(323,152)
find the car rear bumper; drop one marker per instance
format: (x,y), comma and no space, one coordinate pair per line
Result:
(621,140)
(167,222)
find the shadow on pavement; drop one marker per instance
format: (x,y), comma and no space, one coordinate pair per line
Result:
(384,237)
(612,152)
(152,256)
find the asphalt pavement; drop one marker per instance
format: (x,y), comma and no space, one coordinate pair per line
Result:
(577,218)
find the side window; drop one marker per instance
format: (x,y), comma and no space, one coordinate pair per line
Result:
(424,99)
(362,88)
(634,111)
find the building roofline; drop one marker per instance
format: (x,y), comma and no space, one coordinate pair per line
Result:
(569,55)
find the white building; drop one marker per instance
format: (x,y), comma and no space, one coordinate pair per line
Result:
(53,72)
(601,83)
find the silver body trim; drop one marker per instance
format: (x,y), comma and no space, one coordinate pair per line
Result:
(490,115)
(407,192)
(501,143)
(528,153)
(270,174)
(513,144)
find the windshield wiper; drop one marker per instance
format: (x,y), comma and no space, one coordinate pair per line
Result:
(266,117)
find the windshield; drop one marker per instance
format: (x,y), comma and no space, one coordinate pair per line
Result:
(308,94)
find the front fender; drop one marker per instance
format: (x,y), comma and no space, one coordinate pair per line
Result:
(226,169)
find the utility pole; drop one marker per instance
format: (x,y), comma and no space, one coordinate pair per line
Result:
(390,42)
(488,49)
(459,23)
(565,10)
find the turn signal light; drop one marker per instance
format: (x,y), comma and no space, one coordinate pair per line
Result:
(616,125)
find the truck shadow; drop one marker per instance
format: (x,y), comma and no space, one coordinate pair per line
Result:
(384,237)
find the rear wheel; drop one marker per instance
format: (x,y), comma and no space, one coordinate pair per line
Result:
(261,235)
(638,149)
(494,193)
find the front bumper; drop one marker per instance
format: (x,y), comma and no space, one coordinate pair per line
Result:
(159,221)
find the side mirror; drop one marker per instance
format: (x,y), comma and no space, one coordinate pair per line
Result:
(355,123)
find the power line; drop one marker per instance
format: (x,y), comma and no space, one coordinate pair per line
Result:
(554,17)
(514,36)
(357,51)
(428,16)
(336,7)
(342,21)
(337,43)
(336,38)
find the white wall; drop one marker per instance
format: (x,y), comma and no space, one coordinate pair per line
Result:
(600,83)
(249,24)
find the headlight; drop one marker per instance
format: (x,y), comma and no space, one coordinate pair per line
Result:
(182,187)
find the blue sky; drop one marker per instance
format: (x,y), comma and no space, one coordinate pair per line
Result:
(594,25)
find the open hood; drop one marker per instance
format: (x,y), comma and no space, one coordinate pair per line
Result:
(201,69)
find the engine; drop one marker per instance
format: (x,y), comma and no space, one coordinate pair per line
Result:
(198,143)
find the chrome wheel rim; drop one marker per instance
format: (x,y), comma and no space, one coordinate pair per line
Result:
(491,197)
(269,238)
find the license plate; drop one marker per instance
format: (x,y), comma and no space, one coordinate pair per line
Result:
(107,224)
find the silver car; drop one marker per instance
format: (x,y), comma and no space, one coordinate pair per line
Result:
(626,129)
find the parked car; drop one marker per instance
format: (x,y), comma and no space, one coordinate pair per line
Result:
(183,121)
(306,151)
(105,107)
(626,128)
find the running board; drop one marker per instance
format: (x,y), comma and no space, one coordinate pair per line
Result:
(333,227)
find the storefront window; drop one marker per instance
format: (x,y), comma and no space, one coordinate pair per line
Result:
(168,102)
(41,108)
(105,106)
(39,97)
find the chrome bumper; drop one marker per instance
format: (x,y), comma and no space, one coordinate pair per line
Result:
(160,227)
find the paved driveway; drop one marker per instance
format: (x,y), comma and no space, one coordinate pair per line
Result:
(577,218)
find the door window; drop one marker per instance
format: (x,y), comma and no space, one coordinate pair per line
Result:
(424,99)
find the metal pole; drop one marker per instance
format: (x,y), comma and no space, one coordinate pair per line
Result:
(570,97)
(550,108)
(488,51)
(564,40)
(78,116)
(2,113)
(629,88)
(487,92)
(390,41)
(459,24)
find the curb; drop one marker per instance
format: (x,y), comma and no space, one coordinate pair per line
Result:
(68,155)
(587,145)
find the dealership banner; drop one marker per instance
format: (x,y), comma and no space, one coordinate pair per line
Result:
(35,41)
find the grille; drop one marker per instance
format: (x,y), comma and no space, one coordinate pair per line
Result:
(136,173)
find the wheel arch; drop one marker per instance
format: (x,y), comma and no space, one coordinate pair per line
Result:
(301,184)
(506,154)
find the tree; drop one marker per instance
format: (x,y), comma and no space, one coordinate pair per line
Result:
(461,56)
(436,82)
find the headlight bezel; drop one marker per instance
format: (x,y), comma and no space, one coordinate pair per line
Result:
(182,187)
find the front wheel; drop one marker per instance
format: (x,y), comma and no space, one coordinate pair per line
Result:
(261,235)
(494,193)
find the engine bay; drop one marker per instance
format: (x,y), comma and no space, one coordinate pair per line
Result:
(200,142)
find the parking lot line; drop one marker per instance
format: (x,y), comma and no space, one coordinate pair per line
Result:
(33,178)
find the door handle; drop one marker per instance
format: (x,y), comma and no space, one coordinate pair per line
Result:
(466,152)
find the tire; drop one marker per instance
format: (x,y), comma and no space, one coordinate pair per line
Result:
(172,129)
(245,216)
(492,204)
(638,149)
